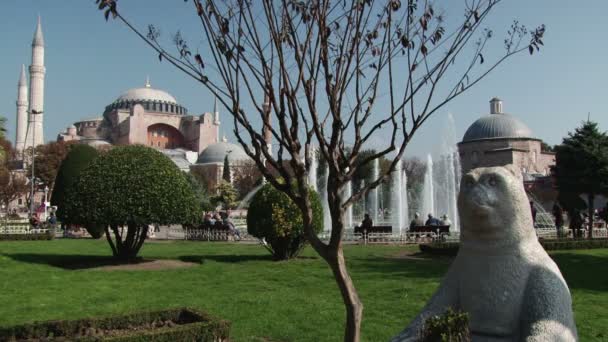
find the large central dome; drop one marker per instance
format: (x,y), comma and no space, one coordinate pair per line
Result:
(146,93)
(153,100)
(497,125)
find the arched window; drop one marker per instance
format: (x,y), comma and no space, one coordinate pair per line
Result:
(165,136)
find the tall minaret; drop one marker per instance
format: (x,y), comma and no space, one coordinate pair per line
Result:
(21,112)
(216,120)
(37,71)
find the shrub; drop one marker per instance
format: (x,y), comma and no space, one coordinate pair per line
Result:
(28,237)
(451,326)
(133,187)
(76,160)
(273,216)
(189,325)
(451,248)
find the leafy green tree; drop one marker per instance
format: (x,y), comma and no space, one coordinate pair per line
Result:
(200,192)
(226,195)
(130,187)
(2,126)
(226,171)
(273,216)
(2,133)
(581,164)
(75,161)
(48,159)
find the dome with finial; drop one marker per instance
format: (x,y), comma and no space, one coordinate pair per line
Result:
(146,93)
(152,99)
(497,125)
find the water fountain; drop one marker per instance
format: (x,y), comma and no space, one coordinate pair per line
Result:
(312,175)
(244,204)
(397,199)
(325,203)
(405,219)
(348,191)
(446,177)
(372,196)
(428,193)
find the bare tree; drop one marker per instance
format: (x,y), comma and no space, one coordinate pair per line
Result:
(333,75)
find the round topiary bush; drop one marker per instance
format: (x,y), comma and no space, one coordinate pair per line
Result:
(76,160)
(127,189)
(273,216)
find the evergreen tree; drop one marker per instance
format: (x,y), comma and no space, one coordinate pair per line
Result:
(582,164)
(226,171)
(226,195)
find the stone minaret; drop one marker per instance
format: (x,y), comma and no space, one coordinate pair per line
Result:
(37,71)
(216,120)
(22,104)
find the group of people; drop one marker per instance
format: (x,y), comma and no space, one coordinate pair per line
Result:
(220,221)
(36,223)
(579,219)
(367,222)
(430,221)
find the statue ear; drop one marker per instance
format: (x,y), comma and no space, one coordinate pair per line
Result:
(514,171)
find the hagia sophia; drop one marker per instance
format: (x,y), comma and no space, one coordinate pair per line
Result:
(153,117)
(143,115)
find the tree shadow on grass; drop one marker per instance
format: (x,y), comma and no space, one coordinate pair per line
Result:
(71,261)
(227,258)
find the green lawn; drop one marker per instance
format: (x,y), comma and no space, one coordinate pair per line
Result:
(265,300)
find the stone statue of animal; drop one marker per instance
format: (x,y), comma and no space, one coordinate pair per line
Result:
(502,277)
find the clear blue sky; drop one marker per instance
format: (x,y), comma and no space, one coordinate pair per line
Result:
(90,62)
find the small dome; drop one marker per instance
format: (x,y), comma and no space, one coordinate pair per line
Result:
(497,125)
(71,127)
(216,153)
(146,94)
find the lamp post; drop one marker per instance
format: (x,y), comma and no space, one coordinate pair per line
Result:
(33,130)
(46,192)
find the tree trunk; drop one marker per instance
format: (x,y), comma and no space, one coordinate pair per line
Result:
(590,199)
(354,307)
(109,238)
(334,256)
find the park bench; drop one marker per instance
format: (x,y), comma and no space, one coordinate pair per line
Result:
(374,232)
(430,229)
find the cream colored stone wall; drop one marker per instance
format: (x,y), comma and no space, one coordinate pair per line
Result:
(525,154)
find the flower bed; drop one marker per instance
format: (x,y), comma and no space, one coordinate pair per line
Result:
(182,324)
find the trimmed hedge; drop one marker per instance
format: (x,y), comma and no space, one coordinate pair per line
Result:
(191,325)
(554,245)
(451,248)
(27,237)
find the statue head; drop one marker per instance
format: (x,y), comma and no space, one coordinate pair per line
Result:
(493,206)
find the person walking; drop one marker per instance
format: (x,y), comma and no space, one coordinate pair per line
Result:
(533,210)
(558,214)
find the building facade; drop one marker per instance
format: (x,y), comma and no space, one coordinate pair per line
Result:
(150,117)
(499,139)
